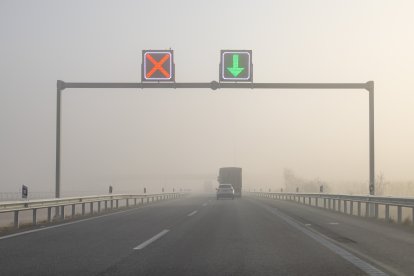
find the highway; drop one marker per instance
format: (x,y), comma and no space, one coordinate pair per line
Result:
(198,235)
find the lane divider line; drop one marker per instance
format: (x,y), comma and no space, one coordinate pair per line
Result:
(151,240)
(192,213)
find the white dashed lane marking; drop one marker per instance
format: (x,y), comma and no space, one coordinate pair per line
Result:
(192,213)
(153,239)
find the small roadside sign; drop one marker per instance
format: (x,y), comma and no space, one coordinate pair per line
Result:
(25,192)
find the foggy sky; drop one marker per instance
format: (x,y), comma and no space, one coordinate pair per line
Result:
(121,137)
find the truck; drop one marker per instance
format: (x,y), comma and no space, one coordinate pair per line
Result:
(233,176)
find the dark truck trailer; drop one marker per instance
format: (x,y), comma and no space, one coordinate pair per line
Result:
(233,176)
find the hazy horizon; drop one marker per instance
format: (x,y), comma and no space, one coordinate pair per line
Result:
(134,138)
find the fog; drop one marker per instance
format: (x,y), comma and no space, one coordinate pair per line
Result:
(151,138)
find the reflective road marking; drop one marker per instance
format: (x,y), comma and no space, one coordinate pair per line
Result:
(192,213)
(153,239)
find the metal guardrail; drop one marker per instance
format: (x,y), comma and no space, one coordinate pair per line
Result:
(346,203)
(60,203)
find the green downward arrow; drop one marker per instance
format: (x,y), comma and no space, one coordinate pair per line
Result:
(235,70)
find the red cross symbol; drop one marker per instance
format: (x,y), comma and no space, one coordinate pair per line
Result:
(158,66)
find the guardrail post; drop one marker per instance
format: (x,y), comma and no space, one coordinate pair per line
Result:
(359,208)
(372,209)
(16,219)
(127,202)
(91,208)
(366,209)
(345,207)
(106,205)
(34,216)
(317,201)
(135,201)
(339,205)
(324,203)
(412,215)
(112,204)
(83,209)
(49,214)
(99,206)
(117,203)
(330,203)
(334,204)
(73,210)
(62,212)
(399,212)
(376,210)
(142,201)
(387,212)
(351,207)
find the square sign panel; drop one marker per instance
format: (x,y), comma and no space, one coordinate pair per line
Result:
(157,65)
(236,65)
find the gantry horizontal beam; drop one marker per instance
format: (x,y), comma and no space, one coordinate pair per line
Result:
(215,85)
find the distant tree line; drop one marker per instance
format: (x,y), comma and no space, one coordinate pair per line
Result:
(294,183)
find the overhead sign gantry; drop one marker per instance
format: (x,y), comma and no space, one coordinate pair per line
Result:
(236,72)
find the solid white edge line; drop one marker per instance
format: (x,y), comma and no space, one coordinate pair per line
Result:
(68,223)
(353,259)
(151,240)
(192,213)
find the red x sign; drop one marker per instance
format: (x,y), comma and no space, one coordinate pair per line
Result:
(157,65)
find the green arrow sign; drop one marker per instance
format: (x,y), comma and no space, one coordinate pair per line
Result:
(235,70)
(236,65)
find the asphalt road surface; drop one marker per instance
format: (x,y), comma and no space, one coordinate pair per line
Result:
(199,235)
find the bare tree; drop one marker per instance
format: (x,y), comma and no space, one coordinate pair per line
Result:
(380,184)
